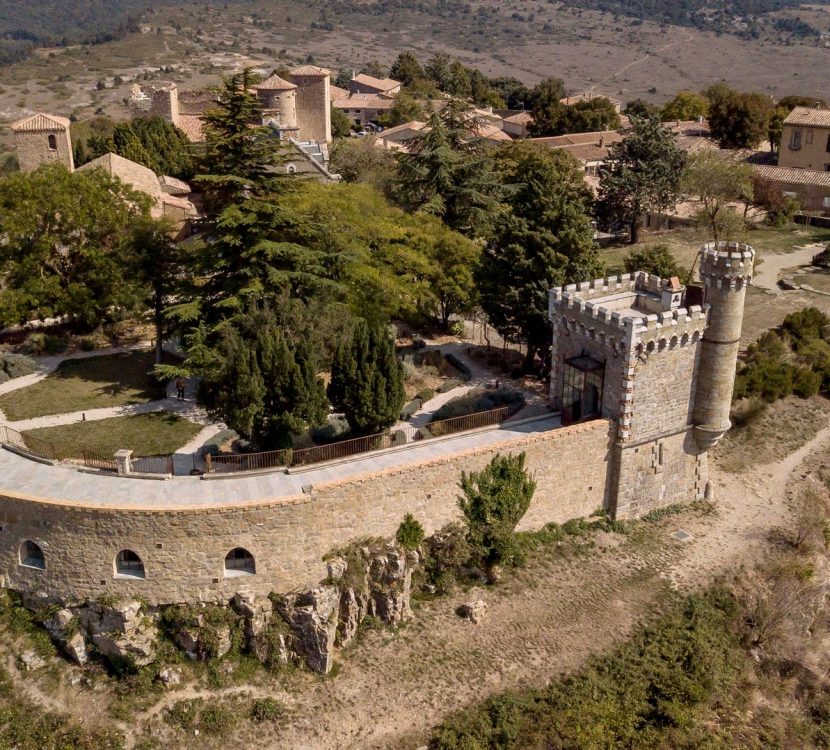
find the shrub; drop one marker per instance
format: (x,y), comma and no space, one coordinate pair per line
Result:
(806,382)
(410,533)
(457,328)
(449,384)
(445,552)
(4,376)
(182,714)
(217,719)
(425,394)
(809,323)
(478,401)
(335,430)
(410,408)
(87,344)
(55,344)
(655,259)
(18,365)
(266,709)
(495,500)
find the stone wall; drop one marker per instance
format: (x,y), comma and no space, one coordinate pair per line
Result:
(313,108)
(183,552)
(33,149)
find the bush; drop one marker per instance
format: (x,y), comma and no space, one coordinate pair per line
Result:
(18,365)
(806,382)
(217,719)
(409,409)
(449,384)
(648,688)
(655,259)
(425,394)
(335,430)
(4,376)
(478,401)
(55,344)
(445,552)
(88,344)
(266,709)
(457,328)
(809,323)
(410,533)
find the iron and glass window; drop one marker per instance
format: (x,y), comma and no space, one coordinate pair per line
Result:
(582,387)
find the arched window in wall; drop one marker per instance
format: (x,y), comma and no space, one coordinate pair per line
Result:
(239,562)
(128,565)
(31,555)
(53,142)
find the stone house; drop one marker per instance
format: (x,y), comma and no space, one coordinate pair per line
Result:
(41,139)
(589,149)
(805,141)
(362,109)
(364,84)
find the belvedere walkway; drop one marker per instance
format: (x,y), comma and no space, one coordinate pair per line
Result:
(28,479)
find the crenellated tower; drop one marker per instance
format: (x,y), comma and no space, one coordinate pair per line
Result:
(726,271)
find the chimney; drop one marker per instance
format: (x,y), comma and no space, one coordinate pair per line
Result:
(354,74)
(601,141)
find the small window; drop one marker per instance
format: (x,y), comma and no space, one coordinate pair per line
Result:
(53,142)
(809,138)
(239,562)
(31,555)
(291,169)
(128,565)
(828,144)
(827,202)
(795,140)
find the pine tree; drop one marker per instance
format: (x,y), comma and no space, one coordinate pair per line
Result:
(546,240)
(367,380)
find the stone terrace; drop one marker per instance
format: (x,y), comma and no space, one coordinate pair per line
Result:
(26,479)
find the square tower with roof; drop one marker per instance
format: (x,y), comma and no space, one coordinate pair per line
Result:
(43,139)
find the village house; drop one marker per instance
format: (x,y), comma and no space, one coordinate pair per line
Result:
(805,141)
(589,149)
(516,124)
(364,84)
(362,109)
(588,96)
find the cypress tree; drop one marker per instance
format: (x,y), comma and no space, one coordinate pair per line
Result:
(367,380)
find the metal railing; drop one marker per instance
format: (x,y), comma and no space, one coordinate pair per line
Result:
(284,459)
(152,464)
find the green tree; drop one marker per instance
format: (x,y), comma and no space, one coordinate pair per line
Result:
(341,125)
(739,120)
(374,68)
(587,116)
(406,69)
(642,174)
(448,173)
(367,380)
(438,70)
(776,128)
(791,102)
(67,240)
(261,385)
(494,501)
(546,106)
(458,80)
(654,259)
(160,264)
(641,108)
(686,105)
(410,533)
(359,160)
(545,240)
(717,183)
(406,108)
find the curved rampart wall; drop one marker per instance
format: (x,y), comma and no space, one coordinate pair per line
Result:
(184,552)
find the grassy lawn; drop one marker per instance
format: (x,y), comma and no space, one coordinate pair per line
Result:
(92,383)
(155,434)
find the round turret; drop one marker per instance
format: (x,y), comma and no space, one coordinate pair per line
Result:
(278,98)
(726,271)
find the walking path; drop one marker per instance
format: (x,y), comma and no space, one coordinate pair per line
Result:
(774,264)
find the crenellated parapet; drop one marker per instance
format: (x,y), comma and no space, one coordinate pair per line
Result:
(726,264)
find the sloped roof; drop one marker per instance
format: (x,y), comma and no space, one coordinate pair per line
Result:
(381,84)
(607,137)
(192,126)
(274,83)
(791,176)
(40,122)
(133,174)
(364,101)
(310,71)
(521,118)
(819,118)
(335,92)
(413,126)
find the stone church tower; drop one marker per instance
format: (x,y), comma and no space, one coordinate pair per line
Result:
(43,139)
(658,359)
(313,103)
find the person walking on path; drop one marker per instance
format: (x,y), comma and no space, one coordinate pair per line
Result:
(180,389)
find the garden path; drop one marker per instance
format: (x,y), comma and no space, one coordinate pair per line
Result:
(767,273)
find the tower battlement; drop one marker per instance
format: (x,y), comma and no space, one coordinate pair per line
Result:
(727,263)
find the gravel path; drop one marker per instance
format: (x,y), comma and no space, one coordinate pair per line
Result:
(768,272)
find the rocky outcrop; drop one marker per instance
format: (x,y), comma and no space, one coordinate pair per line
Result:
(473,611)
(121,632)
(202,640)
(313,616)
(64,630)
(29,661)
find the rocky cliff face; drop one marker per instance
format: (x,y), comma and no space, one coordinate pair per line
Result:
(372,580)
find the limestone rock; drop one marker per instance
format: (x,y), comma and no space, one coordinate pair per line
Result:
(30,661)
(61,624)
(353,607)
(170,677)
(473,611)
(137,646)
(75,648)
(313,616)
(200,645)
(336,569)
(390,585)
(244,605)
(37,601)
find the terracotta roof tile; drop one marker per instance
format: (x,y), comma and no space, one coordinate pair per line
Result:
(809,116)
(39,122)
(310,71)
(381,84)
(792,176)
(274,83)
(192,126)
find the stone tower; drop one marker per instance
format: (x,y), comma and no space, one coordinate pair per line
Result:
(726,271)
(165,103)
(278,98)
(43,139)
(313,99)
